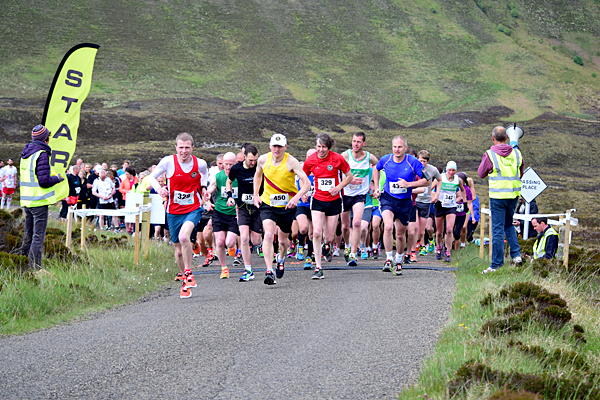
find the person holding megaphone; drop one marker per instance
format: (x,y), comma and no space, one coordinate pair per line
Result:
(503,164)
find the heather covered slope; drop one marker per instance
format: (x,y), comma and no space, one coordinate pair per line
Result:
(409,61)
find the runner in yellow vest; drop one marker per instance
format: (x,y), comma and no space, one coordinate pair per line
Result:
(277,204)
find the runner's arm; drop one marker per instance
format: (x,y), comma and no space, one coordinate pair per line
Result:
(375,181)
(258,177)
(295,167)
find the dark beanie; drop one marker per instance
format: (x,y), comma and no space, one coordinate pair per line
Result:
(40,133)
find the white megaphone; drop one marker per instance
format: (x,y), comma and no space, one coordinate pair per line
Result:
(514,133)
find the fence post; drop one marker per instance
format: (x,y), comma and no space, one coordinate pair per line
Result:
(83,220)
(481,233)
(136,240)
(69,228)
(567,237)
(146,225)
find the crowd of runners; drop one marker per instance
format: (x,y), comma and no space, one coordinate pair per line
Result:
(280,206)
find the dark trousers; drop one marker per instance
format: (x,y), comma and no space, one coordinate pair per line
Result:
(36,219)
(63,209)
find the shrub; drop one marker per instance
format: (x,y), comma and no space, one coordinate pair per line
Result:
(504,29)
(433,10)
(514,13)
(593,74)
(578,60)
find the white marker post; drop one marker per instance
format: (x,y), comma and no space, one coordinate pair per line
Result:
(531,187)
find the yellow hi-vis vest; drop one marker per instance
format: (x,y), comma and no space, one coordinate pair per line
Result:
(539,247)
(32,194)
(505,180)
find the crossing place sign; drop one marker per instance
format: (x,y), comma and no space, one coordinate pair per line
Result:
(531,185)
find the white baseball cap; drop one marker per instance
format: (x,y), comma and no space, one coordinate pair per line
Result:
(451,165)
(278,140)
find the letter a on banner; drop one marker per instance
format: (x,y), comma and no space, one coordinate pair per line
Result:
(69,89)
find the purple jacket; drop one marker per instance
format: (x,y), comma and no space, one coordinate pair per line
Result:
(42,170)
(487,166)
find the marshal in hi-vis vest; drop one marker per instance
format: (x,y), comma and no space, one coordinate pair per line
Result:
(505,180)
(539,247)
(32,194)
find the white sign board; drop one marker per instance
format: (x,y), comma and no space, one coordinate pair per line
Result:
(157,212)
(531,185)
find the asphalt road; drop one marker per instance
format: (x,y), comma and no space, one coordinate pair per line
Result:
(357,334)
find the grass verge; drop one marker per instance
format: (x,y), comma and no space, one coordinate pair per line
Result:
(91,281)
(509,333)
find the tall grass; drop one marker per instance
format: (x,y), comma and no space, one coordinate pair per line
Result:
(97,280)
(538,350)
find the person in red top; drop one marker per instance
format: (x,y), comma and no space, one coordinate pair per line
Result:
(326,203)
(187,177)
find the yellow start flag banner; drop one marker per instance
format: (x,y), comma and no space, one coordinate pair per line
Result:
(69,89)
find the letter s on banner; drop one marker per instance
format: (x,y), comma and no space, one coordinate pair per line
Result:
(71,85)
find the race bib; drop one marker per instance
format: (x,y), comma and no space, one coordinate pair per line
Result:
(234,190)
(248,198)
(326,184)
(448,199)
(460,207)
(77,190)
(396,189)
(182,198)
(279,200)
(9,182)
(354,187)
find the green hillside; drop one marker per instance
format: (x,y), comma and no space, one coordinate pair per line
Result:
(407,60)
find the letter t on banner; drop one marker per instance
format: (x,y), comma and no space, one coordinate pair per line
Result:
(71,85)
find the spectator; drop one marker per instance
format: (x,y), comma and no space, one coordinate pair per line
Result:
(127,186)
(103,189)
(519,224)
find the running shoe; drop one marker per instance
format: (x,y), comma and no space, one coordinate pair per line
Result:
(438,253)
(413,256)
(398,270)
(327,253)
(196,250)
(488,270)
(375,253)
(364,254)
(387,267)
(291,251)
(179,277)
(447,257)
(231,251)
(347,254)
(431,247)
(224,273)
(237,261)
(405,259)
(280,269)
(185,292)
(300,253)
(336,251)
(269,278)
(260,252)
(423,251)
(318,274)
(189,280)
(308,263)
(352,261)
(247,276)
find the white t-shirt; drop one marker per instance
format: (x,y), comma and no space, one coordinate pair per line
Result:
(104,188)
(9,175)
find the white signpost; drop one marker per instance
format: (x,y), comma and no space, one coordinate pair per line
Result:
(531,187)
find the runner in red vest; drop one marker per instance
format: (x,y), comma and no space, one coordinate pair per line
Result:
(187,177)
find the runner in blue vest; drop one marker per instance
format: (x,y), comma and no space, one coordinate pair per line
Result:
(403,172)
